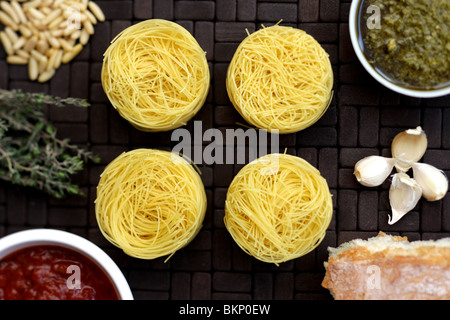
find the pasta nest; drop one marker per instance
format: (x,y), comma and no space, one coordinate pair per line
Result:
(155,75)
(150,203)
(280,78)
(278,208)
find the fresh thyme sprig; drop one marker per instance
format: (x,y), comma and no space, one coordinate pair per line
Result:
(31,154)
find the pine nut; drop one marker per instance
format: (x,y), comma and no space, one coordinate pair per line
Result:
(19,44)
(51,16)
(33,71)
(46,33)
(69,56)
(6,43)
(18,9)
(16,60)
(10,11)
(35,13)
(97,11)
(7,21)
(46,75)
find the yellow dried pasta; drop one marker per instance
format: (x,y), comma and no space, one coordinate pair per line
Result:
(150,203)
(278,208)
(280,78)
(156,75)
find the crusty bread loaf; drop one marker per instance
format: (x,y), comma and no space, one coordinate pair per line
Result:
(389,268)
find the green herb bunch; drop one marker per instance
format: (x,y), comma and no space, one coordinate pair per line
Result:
(31,155)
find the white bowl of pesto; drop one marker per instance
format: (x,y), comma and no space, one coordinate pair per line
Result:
(403,46)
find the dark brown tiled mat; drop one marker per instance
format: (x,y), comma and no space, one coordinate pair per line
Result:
(362,120)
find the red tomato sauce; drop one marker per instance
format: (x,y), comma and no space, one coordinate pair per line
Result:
(50,273)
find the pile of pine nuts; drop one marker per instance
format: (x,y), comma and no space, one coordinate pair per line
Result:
(46,33)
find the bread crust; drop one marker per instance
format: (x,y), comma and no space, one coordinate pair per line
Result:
(389,268)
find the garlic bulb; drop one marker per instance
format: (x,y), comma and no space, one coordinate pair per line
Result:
(372,171)
(408,147)
(433,181)
(404,195)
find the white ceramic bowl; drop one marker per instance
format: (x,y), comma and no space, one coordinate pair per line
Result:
(355,13)
(33,237)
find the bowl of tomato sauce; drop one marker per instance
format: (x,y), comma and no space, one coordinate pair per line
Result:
(50,264)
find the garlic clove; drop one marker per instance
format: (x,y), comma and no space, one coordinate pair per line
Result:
(404,194)
(372,171)
(408,147)
(433,181)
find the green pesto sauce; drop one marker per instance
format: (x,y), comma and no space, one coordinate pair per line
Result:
(412,43)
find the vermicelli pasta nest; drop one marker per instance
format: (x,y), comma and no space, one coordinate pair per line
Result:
(156,75)
(280,78)
(150,203)
(278,208)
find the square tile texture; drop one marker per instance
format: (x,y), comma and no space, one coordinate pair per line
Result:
(362,120)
